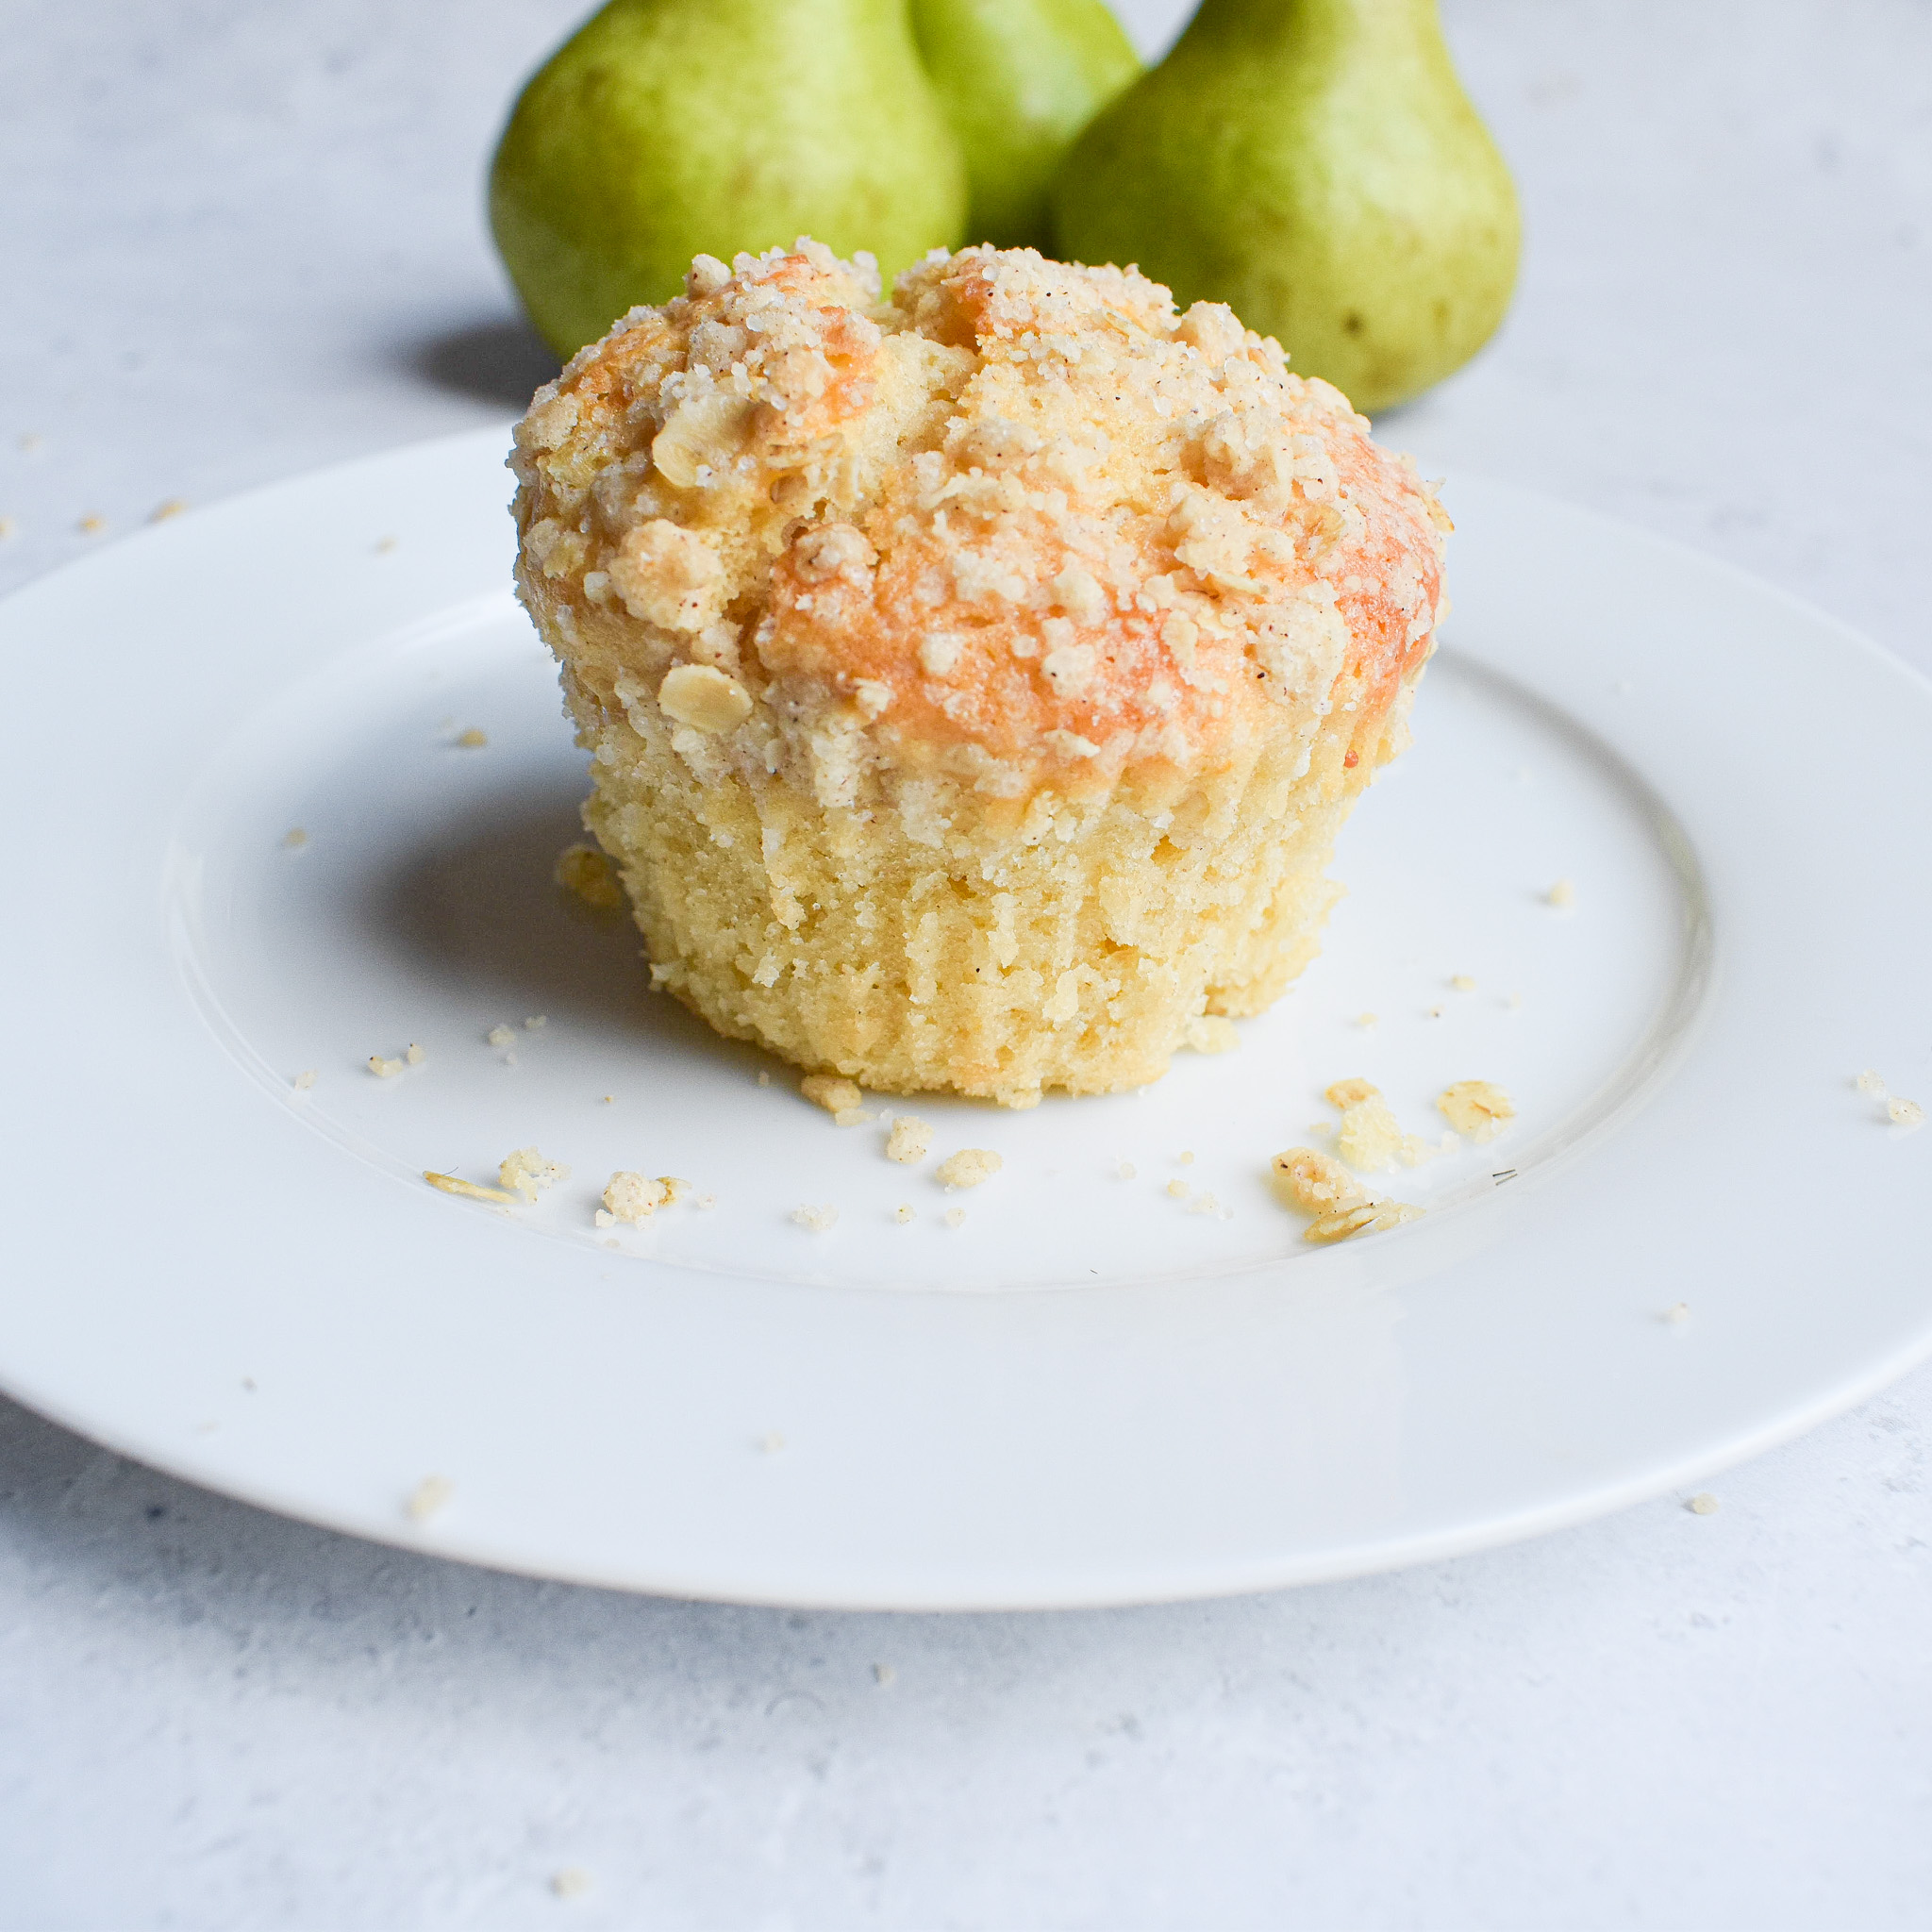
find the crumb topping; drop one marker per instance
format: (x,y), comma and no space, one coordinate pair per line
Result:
(1020,522)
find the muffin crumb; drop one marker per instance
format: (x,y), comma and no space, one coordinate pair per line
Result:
(1463,982)
(473,740)
(529,1173)
(428,1497)
(1370,1137)
(909,1139)
(1702,1504)
(1211,1033)
(955,1217)
(832,1092)
(295,839)
(584,871)
(572,1882)
(903,1212)
(630,1196)
(1677,1314)
(1562,895)
(1479,1108)
(415,1055)
(817,1219)
(968,1168)
(500,1036)
(1341,1207)
(303,1080)
(384,1068)
(1869,1082)
(1905,1113)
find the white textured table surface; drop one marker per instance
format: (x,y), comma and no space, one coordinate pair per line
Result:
(243,240)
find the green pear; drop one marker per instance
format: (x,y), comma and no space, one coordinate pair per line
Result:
(667,128)
(1019,80)
(1316,165)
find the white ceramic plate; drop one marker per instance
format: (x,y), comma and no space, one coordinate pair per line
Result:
(1090,1391)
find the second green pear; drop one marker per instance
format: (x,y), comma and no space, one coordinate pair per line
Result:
(1019,80)
(667,128)
(1316,165)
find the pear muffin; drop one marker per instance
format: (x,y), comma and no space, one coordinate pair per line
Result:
(975,681)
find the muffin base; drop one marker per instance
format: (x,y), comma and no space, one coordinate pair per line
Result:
(1067,942)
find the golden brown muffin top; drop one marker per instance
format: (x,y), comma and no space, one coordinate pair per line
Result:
(1021,523)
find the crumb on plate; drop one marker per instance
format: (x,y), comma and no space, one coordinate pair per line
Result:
(968,1168)
(1479,1108)
(909,1141)
(471,739)
(817,1219)
(831,1091)
(1369,1138)
(470,1190)
(1562,894)
(1212,1033)
(529,1173)
(1341,1207)
(584,871)
(428,1497)
(632,1198)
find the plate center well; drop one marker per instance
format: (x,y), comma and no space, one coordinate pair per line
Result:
(417,905)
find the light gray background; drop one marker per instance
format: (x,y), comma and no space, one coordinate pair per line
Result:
(241,240)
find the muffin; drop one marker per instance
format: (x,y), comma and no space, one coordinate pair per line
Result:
(976,681)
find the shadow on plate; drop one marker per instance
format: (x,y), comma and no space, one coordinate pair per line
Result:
(477,910)
(498,362)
